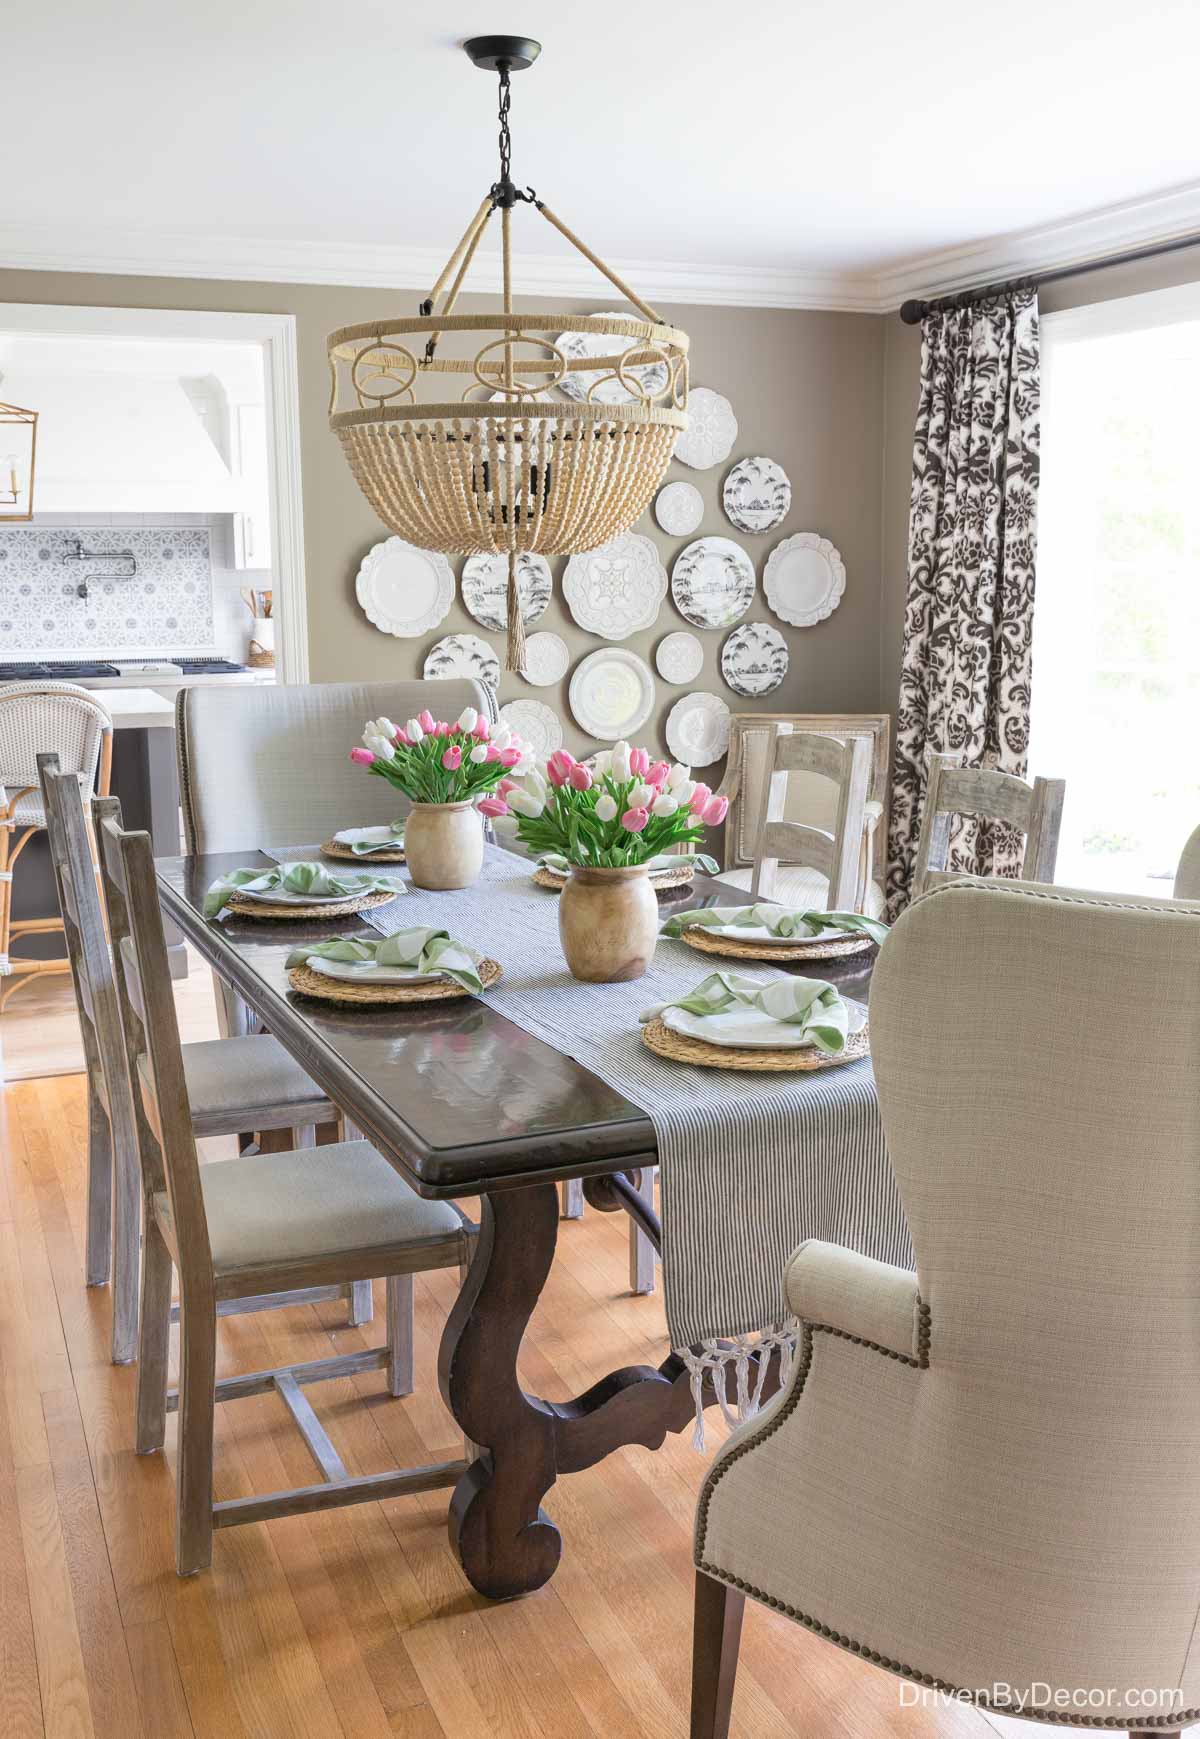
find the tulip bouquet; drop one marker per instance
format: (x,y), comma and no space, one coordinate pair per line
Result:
(622,810)
(435,762)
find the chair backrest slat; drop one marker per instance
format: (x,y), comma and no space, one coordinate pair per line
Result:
(1034,810)
(835,853)
(810,798)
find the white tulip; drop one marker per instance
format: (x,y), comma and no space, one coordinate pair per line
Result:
(502,736)
(413,731)
(606,809)
(468,718)
(478,753)
(619,765)
(678,775)
(525,765)
(525,804)
(664,804)
(684,790)
(534,780)
(601,763)
(385,727)
(640,796)
(506,825)
(382,748)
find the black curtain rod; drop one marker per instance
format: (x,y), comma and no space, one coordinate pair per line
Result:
(912,313)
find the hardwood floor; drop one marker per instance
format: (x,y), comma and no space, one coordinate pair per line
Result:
(358,1621)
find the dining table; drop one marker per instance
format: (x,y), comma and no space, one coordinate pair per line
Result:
(465,1103)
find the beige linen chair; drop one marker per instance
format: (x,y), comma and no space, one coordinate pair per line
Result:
(952,789)
(231,1082)
(987,1472)
(1187,876)
(35,718)
(243,1228)
(833,853)
(810,798)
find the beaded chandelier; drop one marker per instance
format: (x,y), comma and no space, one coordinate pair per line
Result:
(504,468)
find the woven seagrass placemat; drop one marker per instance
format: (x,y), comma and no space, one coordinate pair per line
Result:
(333,848)
(340,990)
(321,909)
(706,943)
(681,1049)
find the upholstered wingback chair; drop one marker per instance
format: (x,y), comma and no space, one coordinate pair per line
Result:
(987,1473)
(263,764)
(1187,876)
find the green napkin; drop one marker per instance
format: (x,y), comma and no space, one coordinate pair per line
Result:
(779,920)
(296,878)
(554,860)
(364,847)
(809,1003)
(426,950)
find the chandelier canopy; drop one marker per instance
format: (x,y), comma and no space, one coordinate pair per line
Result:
(502,468)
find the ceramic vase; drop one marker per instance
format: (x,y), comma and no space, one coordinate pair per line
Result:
(443,844)
(608,923)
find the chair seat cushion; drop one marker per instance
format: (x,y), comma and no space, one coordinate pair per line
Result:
(797,886)
(227,1078)
(313,1202)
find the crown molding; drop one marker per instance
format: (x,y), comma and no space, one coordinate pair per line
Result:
(1090,236)
(179,254)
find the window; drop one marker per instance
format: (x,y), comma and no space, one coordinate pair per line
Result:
(1116,633)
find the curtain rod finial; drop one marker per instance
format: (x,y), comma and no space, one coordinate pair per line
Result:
(912,313)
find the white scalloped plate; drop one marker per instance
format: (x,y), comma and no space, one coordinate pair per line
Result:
(618,589)
(535,724)
(462,655)
(698,729)
(712,429)
(547,659)
(757,495)
(612,693)
(404,590)
(804,579)
(485,588)
(679,508)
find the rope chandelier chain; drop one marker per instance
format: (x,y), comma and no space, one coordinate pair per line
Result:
(517,469)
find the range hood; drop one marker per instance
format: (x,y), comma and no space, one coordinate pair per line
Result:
(122,443)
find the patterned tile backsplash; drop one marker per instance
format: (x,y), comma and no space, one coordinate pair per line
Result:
(166,607)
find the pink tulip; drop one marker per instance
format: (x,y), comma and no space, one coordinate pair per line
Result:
(401,739)
(493,753)
(452,759)
(700,797)
(509,757)
(363,757)
(634,820)
(482,729)
(581,777)
(558,767)
(639,762)
(442,729)
(427,722)
(505,786)
(492,806)
(657,774)
(714,811)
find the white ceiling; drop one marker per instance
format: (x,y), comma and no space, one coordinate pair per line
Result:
(835,143)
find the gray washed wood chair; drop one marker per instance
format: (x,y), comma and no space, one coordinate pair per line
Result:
(834,853)
(233,1083)
(241,1229)
(1187,876)
(988,1471)
(952,789)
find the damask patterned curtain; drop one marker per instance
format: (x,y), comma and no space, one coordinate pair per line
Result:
(964,682)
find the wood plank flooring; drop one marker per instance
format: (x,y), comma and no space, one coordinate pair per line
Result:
(357,1622)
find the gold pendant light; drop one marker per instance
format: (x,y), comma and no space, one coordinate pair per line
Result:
(503,468)
(18,450)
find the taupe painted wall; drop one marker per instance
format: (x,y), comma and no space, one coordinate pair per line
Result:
(807,389)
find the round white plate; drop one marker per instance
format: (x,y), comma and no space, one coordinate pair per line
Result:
(546,659)
(754,659)
(485,588)
(679,508)
(535,724)
(711,431)
(712,582)
(698,729)
(679,658)
(618,589)
(804,579)
(379,837)
(462,655)
(751,1029)
(612,693)
(287,898)
(757,495)
(760,933)
(366,972)
(404,590)
(652,376)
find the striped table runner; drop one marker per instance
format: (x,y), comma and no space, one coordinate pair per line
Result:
(751,1165)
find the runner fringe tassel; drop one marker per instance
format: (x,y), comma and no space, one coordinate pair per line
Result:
(740,1355)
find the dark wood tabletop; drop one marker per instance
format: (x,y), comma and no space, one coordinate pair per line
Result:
(459,1098)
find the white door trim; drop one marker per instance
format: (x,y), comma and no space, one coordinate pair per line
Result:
(276,333)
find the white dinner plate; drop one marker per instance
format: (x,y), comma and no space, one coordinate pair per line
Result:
(760,933)
(751,1029)
(366,972)
(404,590)
(697,729)
(611,693)
(282,898)
(804,579)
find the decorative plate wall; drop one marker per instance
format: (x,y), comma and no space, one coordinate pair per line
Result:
(485,588)
(679,658)
(535,724)
(754,659)
(698,729)
(404,590)
(618,589)
(546,659)
(757,495)
(711,431)
(612,693)
(463,655)
(679,508)
(577,385)
(712,582)
(804,579)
